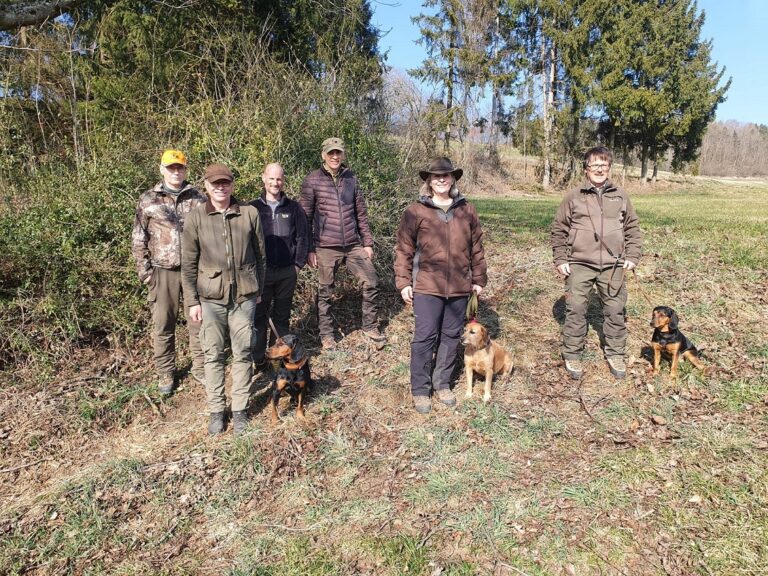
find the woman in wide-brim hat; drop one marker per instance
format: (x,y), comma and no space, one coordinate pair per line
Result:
(439,262)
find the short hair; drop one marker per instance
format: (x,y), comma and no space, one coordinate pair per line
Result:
(601,152)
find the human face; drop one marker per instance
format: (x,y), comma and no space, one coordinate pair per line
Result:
(273,181)
(598,171)
(441,184)
(173,175)
(220,192)
(333,159)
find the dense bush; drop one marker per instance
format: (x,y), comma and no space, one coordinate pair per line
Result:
(67,277)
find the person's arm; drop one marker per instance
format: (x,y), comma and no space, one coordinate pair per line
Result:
(140,244)
(302,236)
(361,214)
(307,200)
(633,237)
(405,249)
(479,265)
(190,258)
(561,226)
(259,247)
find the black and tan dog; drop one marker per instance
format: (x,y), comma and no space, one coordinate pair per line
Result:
(667,338)
(484,356)
(292,372)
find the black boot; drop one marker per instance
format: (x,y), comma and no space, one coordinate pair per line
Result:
(216,423)
(239,421)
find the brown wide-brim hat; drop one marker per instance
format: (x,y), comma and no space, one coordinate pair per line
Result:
(441,165)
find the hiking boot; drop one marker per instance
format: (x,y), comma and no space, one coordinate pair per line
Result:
(328,342)
(422,404)
(617,367)
(166,385)
(375,335)
(239,421)
(574,368)
(446,396)
(216,423)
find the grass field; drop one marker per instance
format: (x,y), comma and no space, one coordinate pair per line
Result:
(646,476)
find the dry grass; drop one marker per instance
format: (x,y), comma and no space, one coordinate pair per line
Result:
(643,476)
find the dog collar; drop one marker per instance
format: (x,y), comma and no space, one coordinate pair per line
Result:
(295,365)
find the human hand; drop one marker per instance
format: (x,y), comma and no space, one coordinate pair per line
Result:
(564,269)
(629,265)
(368,252)
(258,299)
(312,259)
(407,294)
(196,313)
(477,289)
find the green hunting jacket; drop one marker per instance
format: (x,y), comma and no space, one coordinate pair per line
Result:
(223,253)
(586,216)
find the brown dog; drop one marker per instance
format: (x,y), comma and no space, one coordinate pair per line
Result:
(668,338)
(484,356)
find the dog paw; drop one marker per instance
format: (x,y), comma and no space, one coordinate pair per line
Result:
(486,398)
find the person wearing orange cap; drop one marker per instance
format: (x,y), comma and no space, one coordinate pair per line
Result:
(156,246)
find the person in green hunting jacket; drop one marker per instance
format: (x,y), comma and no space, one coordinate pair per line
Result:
(223,269)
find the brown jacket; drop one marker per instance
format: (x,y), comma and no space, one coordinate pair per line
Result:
(586,216)
(439,252)
(222,251)
(158,226)
(336,211)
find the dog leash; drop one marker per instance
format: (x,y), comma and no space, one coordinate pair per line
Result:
(274,330)
(640,288)
(472,306)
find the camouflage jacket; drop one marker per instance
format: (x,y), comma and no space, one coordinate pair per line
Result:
(157,229)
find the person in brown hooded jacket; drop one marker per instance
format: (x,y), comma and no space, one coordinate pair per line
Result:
(439,262)
(596,236)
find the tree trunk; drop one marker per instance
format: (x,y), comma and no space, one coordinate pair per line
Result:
(643,162)
(548,87)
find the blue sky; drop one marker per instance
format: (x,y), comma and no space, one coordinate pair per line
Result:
(738,29)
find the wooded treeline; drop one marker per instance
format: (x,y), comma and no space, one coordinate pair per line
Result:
(734,149)
(635,74)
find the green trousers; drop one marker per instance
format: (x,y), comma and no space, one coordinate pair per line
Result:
(165,296)
(612,292)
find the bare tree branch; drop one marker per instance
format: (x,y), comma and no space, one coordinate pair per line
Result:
(18,14)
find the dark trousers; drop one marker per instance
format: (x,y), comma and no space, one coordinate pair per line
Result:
(358,264)
(279,286)
(439,323)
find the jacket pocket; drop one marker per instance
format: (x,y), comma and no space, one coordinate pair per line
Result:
(248,281)
(210,284)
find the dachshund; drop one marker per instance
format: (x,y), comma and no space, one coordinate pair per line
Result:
(291,363)
(667,338)
(484,356)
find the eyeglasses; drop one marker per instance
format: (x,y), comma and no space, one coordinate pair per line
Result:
(596,167)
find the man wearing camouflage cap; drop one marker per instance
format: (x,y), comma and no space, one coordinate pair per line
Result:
(156,246)
(338,219)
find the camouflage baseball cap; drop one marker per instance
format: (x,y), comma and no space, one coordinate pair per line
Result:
(333,144)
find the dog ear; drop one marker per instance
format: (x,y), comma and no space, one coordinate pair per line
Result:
(484,336)
(673,319)
(297,353)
